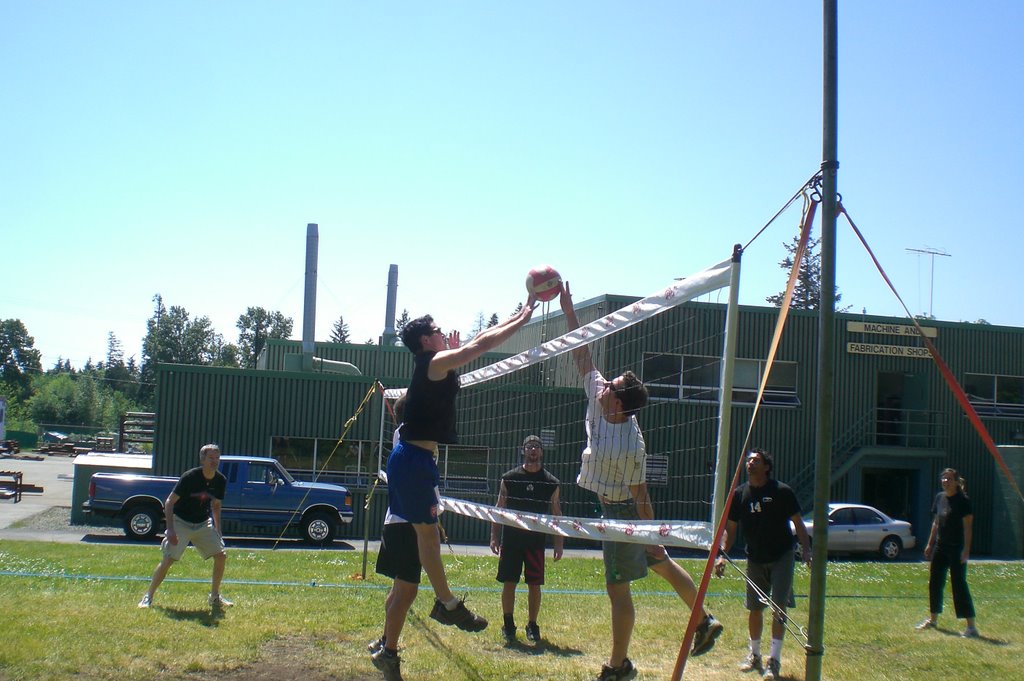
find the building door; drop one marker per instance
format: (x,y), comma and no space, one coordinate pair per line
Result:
(891,490)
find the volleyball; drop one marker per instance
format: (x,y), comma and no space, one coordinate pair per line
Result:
(544,282)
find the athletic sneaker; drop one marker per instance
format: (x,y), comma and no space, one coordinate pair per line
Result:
(218,601)
(752,664)
(704,637)
(971,632)
(509,633)
(533,632)
(375,645)
(389,663)
(926,624)
(624,672)
(773,670)
(146,601)
(460,617)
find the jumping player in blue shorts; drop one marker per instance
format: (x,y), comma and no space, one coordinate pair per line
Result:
(413,479)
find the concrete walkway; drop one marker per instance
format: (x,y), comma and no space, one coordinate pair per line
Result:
(55,474)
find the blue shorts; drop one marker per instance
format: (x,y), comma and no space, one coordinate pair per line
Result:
(412,477)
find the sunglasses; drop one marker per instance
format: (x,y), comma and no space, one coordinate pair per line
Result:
(436,331)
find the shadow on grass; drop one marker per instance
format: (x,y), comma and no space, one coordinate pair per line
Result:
(544,647)
(956,633)
(204,617)
(466,665)
(232,542)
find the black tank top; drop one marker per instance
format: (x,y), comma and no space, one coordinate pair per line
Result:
(430,405)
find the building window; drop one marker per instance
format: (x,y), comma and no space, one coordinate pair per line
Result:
(995,395)
(463,468)
(353,464)
(696,378)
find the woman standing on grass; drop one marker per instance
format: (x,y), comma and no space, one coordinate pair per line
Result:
(948,548)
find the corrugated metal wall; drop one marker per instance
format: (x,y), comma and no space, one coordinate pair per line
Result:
(241,410)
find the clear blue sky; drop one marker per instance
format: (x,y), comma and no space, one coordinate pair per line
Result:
(181,148)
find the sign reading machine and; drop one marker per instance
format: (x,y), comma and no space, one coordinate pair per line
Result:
(885,350)
(891,329)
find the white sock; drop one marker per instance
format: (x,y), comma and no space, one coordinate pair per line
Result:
(452,604)
(755,646)
(776,653)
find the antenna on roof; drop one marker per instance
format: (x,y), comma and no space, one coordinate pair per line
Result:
(929,251)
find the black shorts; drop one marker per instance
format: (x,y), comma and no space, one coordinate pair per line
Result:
(514,557)
(399,556)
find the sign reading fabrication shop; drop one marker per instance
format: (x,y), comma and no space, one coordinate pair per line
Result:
(887,350)
(891,329)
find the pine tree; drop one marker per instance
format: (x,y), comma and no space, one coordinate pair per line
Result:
(807,292)
(400,323)
(479,325)
(339,333)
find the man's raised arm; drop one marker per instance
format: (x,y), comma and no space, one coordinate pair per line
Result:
(584,362)
(487,339)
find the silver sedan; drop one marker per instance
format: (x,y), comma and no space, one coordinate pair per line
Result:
(856,528)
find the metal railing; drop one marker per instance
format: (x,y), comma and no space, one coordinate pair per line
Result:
(881,427)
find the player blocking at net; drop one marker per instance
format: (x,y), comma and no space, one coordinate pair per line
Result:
(613,466)
(429,419)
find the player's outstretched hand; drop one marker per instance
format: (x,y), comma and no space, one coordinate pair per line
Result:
(565,298)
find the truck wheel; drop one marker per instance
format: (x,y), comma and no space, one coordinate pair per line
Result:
(319,529)
(142,522)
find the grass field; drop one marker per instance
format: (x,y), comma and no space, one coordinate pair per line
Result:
(69,612)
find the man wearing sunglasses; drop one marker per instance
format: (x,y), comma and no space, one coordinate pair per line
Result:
(412,542)
(613,467)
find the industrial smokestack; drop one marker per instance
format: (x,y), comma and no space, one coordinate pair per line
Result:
(309,301)
(389,318)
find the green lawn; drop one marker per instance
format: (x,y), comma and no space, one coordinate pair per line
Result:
(70,613)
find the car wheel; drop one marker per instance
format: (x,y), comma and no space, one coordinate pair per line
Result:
(319,529)
(891,548)
(142,522)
